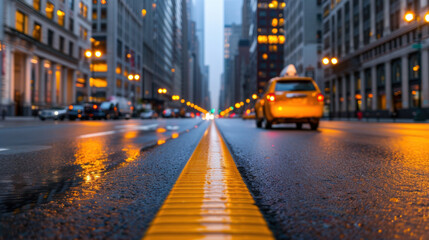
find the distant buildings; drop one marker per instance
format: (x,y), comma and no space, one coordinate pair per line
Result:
(43,48)
(57,52)
(383,60)
(303,31)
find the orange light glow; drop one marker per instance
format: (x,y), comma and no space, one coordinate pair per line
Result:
(71,107)
(174,135)
(334,61)
(161,141)
(254,96)
(88,54)
(161,130)
(325,61)
(409,16)
(265,56)
(144,12)
(98,54)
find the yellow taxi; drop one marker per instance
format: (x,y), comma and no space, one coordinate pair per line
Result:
(290,99)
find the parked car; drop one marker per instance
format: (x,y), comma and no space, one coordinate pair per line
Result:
(117,107)
(75,111)
(55,113)
(92,110)
(148,114)
(168,113)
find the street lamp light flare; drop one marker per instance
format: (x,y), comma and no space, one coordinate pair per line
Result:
(409,16)
(88,54)
(427,17)
(325,61)
(160,90)
(130,77)
(334,61)
(254,96)
(136,77)
(164,90)
(98,54)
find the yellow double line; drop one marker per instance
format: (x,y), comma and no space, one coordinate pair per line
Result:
(210,199)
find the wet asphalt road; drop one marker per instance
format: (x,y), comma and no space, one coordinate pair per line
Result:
(93,179)
(348,180)
(107,180)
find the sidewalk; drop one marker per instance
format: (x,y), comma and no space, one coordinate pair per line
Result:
(383,120)
(19,119)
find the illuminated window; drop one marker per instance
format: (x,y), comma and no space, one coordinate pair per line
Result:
(37,31)
(281,22)
(273,48)
(118,69)
(118,83)
(21,22)
(282,39)
(49,10)
(99,67)
(83,9)
(262,39)
(61,17)
(274,30)
(273,39)
(274,22)
(98,82)
(265,56)
(94,14)
(36,4)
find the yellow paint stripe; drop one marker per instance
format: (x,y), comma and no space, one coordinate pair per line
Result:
(210,199)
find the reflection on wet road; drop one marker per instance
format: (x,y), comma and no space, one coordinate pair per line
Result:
(72,154)
(348,180)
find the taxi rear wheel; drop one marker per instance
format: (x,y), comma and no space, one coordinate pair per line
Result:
(314,124)
(258,123)
(266,124)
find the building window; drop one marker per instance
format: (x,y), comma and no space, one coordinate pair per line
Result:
(94,14)
(36,4)
(61,17)
(21,22)
(51,38)
(83,9)
(49,10)
(99,66)
(118,69)
(37,31)
(71,48)
(396,71)
(61,44)
(119,49)
(103,13)
(71,24)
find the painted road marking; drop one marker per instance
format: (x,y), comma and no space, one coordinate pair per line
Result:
(172,128)
(3,149)
(209,199)
(97,134)
(125,128)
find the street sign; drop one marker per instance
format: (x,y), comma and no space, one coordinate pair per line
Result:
(417,46)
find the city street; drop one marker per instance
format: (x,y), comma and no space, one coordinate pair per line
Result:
(108,179)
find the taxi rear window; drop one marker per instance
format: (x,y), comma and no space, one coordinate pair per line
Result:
(295,85)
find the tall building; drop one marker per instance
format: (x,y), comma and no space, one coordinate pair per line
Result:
(43,46)
(114,25)
(383,60)
(232,10)
(266,41)
(303,48)
(232,35)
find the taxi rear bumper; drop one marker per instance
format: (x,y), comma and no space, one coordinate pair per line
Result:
(295,113)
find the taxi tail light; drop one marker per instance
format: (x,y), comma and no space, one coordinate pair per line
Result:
(95,106)
(320,97)
(271,97)
(71,107)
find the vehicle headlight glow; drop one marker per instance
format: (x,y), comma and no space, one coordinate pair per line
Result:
(56,112)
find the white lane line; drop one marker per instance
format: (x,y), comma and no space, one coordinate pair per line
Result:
(138,127)
(3,149)
(172,128)
(125,128)
(97,134)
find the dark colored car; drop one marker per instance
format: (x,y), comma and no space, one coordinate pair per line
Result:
(75,111)
(92,110)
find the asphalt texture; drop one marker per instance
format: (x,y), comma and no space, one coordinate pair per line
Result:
(348,180)
(89,180)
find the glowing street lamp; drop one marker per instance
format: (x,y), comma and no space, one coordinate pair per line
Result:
(326,61)
(334,61)
(254,96)
(409,16)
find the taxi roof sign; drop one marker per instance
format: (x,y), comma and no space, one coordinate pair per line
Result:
(289,71)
